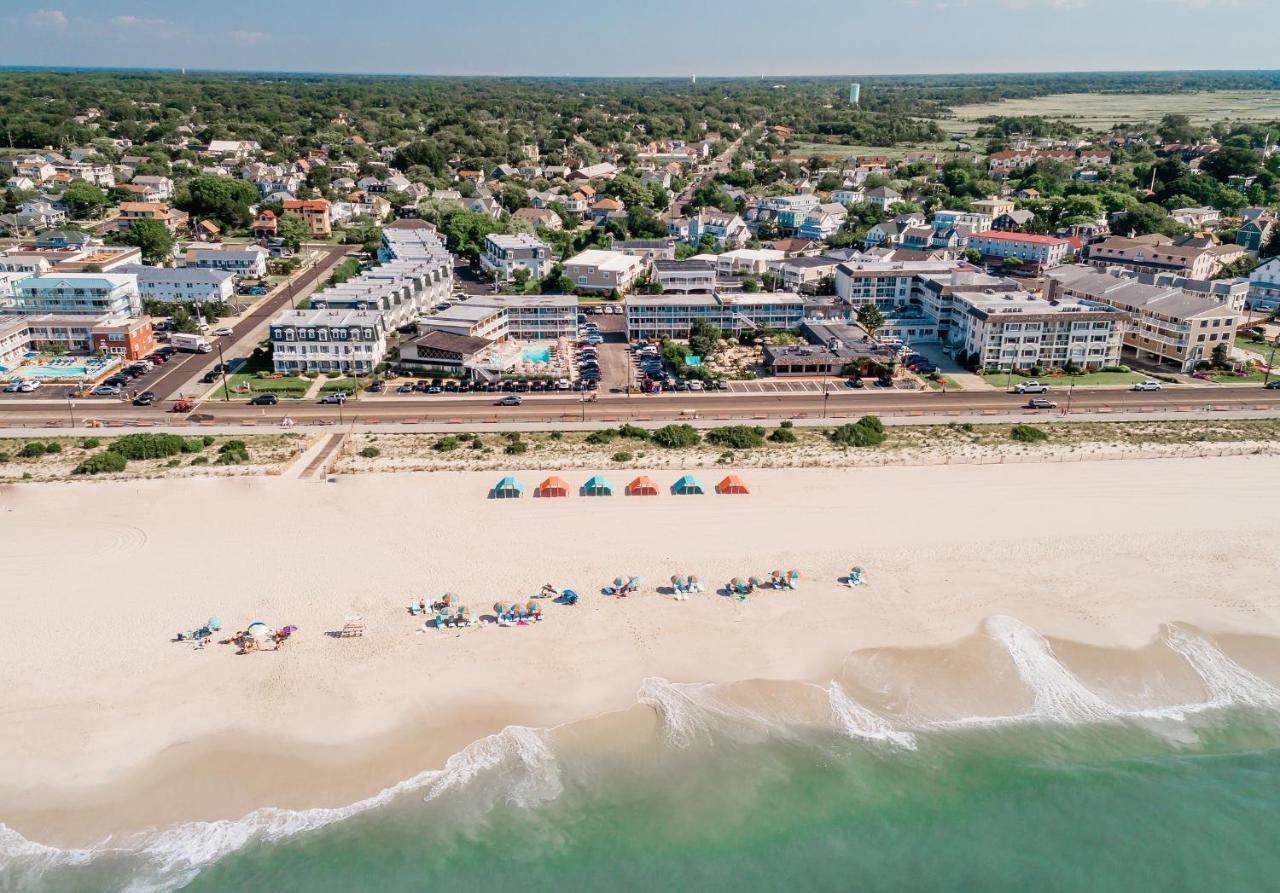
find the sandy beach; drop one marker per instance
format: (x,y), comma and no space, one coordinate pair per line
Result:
(109,727)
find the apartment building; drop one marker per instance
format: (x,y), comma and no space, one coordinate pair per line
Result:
(886,284)
(728,229)
(685,276)
(79,294)
(1189,258)
(1176,320)
(128,339)
(805,274)
(650,250)
(183,284)
(510,317)
(604,271)
(657,316)
(328,341)
(1264,286)
(1030,249)
(1018,330)
(505,254)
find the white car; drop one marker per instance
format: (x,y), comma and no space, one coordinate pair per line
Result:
(1031,387)
(223,331)
(13,387)
(1148,385)
(28,386)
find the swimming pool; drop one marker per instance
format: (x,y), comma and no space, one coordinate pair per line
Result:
(47,372)
(536,354)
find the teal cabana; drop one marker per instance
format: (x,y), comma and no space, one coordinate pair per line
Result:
(507,488)
(688,486)
(597,486)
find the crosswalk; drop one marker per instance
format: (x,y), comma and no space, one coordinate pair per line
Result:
(783,386)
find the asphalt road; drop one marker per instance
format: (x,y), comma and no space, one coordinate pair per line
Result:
(840,403)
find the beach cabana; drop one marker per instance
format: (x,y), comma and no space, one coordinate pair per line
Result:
(507,488)
(597,486)
(688,486)
(642,486)
(552,486)
(732,485)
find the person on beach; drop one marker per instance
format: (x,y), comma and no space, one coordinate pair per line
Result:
(548,591)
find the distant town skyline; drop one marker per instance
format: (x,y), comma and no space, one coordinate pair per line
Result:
(664,39)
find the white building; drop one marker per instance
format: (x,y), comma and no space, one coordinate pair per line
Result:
(504,254)
(509,317)
(248,262)
(685,276)
(182,284)
(1264,286)
(606,271)
(655,316)
(80,294)
(328,341)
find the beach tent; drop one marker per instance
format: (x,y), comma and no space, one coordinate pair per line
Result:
(597,486)
(507,488)
(552,486)
(688,486)
(642,486)
(732,485)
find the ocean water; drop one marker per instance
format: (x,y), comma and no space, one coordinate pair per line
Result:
(770,786)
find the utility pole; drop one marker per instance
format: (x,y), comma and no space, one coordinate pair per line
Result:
(226,393)
(71,411)
(1266,378)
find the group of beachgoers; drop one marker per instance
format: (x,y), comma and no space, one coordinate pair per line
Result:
(446,613)
(255,637)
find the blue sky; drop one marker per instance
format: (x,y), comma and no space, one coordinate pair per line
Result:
(656,37)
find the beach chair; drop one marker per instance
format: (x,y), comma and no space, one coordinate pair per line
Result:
(352,628)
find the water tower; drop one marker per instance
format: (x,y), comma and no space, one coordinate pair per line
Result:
(855,93)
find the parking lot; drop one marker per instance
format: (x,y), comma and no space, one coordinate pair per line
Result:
(783,386)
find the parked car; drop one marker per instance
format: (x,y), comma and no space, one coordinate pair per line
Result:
(166,351)
(406,388)
(696,386)
(434,389)
(31,384)
(264,400)
(105,390)
(223,331)
(1041,403)
(1273,385)
(375,387)
(334,398)
(1030,387)
(13,386)
(857,382)
(1148,385)
(509,400)
(146,398)
(209,377)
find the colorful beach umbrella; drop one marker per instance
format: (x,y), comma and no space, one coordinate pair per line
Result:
(552,487)
(642,486)
(732,485)
(688,485)
(597,486)
(507,488)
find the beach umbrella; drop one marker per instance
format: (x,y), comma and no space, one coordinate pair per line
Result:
(552,486)
(755,581)
(213,623)
(288,630)
(736,582)
(618,582)
(675,580)
(793,575)
(258,630)
(597,485)
(688,485)
(642,486)
(499,608)
(507,488)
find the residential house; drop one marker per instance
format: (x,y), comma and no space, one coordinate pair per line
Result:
(483,204)
(1013,221)
(1264,286)
(850,196)
(789,211)
(1255,233)
(183,284)
(158,188)
(977,221)
(131,211)
(650,250)
(824,221)
(315,213)
(606,208)
(235,150)
(887,234)
(606,271)
(1197,218)
(246,262)
(505,254)
(883,197)
(727,228)
(536,217)
(602,171)
(685,276)
(1141,255)
(917,238)
(265,225)
(806,275)
(993,207)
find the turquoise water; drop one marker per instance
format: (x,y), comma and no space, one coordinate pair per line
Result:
(47,372)
(778,786)
(536,355)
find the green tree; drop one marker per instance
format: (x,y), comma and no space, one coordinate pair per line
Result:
(84,199)
(293,230)
(870,318)
(152,236)
(221,199)
(1221,356)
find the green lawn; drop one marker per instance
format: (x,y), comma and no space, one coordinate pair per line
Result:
(1231,378)
(282,387)
(1262,348)
(350,386)
(937,385)
(1062,382)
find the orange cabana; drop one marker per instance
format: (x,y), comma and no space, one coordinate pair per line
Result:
(552,486)
(732,485)
(642,486)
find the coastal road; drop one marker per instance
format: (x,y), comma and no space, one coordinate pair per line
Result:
(840,403)
(176,374)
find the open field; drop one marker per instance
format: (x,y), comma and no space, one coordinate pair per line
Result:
(800,149)
(1102,111)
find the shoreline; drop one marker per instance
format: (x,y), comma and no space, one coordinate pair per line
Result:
(113,729)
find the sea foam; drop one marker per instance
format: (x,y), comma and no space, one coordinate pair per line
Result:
(856,721)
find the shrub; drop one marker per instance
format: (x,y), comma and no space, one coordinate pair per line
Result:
(207,440)
(90,443)
(173,463)
(33,450)
(1028,434)
(633,432)
(200,460)
(53,447)
(477,443)
(675,437)
(783,435)
(516,447)
(556,435)
(232,457)
(787,423)
(4,457)
(148,446)
(372,452)
(106,462)
(1120,368)
(868,431)
(598,438)
(622,456)
(193,444)
(739,437)
(232,446)
(445,444)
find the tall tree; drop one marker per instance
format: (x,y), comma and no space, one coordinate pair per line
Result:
(152,237)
